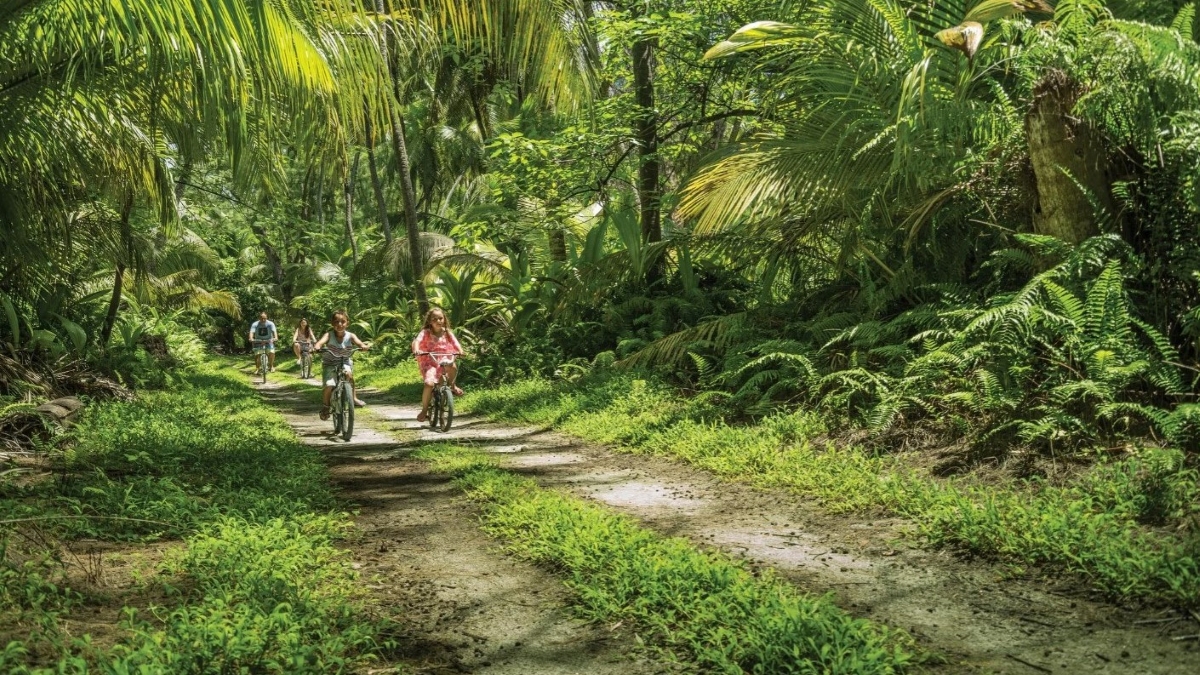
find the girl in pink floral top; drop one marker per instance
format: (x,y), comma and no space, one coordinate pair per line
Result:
(435,337)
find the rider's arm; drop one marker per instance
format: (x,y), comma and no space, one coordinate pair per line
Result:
(416,343)
(454,341)
(359,343)
(250,334)
(321,342)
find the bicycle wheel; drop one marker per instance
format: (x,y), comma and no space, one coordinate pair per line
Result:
(447,409)
(335,410)
(346,396)
(262,366)
(306,366)
(436,408)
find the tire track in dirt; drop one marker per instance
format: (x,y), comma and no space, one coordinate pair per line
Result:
(462,606)
(968,610)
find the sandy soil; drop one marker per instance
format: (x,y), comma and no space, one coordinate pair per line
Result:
(461,600)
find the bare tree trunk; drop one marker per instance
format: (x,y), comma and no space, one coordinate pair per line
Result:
(376,185)
(410,218)
(1068,163)
(321,196)
(114,303)
(400,148)
(646,126)
(558,245)
(348,195)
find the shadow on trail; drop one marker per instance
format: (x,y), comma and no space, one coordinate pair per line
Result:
(461,606)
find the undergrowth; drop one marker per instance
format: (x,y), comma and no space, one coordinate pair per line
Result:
(258,584)
(699,605)
(1128,526)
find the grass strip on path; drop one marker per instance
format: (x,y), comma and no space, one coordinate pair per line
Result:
(700,606)
(1092,528)
(258,584)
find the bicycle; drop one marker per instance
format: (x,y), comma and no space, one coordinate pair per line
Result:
(341,399)
(306,359)
(441,405)
(261,358)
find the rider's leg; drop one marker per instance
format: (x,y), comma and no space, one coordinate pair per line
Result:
(451,375)
(425,396)
(271,358)
(296,348)
(354,391)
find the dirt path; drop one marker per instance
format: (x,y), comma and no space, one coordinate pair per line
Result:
(964,609)
(464,606)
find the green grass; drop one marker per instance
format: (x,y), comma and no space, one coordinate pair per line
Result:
(1094,528)
(258,585)
(700,606)
(401,382)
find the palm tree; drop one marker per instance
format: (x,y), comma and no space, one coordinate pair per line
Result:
(108,112)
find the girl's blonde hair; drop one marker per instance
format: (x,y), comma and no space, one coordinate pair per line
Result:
(429,318)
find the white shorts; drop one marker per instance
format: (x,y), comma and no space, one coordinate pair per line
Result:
(329,373)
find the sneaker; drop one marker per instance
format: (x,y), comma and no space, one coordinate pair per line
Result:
(272,369)
(297,361)
(359,403)
(324,412)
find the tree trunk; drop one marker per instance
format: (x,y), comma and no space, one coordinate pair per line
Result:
(646,126)
(558,245)
(321,196)
(410,217)
(1068,163)
(409,195)
(348,195)
(376,185)
(114,303)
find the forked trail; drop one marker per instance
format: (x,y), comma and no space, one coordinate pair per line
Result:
(470,608)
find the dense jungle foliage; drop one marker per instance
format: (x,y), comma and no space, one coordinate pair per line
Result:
(933,223)
(965,220)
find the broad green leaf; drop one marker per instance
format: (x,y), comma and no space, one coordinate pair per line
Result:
(754,36)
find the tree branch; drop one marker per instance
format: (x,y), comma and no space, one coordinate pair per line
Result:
(744,112)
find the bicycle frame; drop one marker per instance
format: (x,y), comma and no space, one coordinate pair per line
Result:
(341,398)
(441,404)
(306,352)
(262,358)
